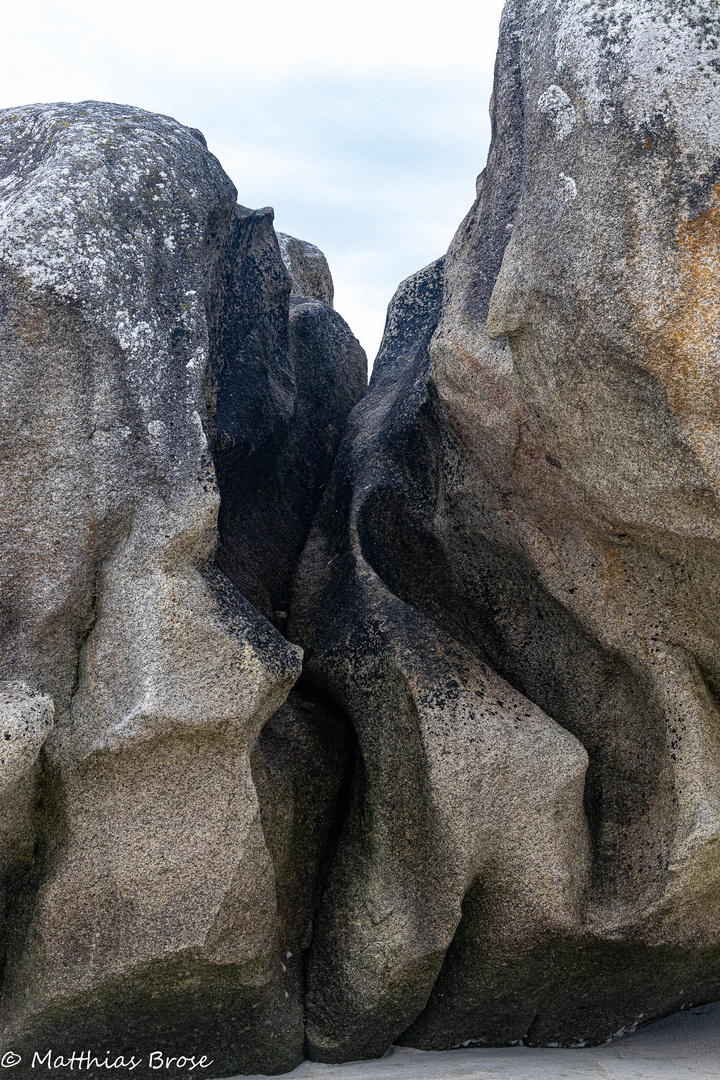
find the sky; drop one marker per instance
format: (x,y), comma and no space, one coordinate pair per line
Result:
(364,125)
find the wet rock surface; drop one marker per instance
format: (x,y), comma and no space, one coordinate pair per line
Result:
(683,1047)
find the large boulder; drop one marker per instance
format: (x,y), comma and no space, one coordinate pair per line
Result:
(511,586)
(146,344)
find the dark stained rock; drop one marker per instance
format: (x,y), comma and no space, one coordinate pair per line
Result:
(290,373)
(510,587)
(301,767)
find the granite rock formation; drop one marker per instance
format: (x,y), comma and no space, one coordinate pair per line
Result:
(511,587)
(149,364)
(308,269)
(331,720)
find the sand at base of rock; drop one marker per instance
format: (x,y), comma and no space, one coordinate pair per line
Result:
(682,1047)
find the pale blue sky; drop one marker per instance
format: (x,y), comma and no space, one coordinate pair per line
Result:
(365,128)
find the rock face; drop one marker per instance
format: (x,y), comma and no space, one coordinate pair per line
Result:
(281,408)
(312,741)
(511,586)
(308,269)
(148,362)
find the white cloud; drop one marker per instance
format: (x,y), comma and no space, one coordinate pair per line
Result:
(363,126)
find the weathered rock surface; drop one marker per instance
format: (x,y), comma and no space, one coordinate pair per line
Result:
(680,1047)
(511,586)
(308,269)
(281,410)
(147,354)
(488,811)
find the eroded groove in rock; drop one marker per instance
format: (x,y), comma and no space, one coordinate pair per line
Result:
(301,765)
(286,372)
(529,493)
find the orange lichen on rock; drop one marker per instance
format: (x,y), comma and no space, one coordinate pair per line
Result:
(687,360)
